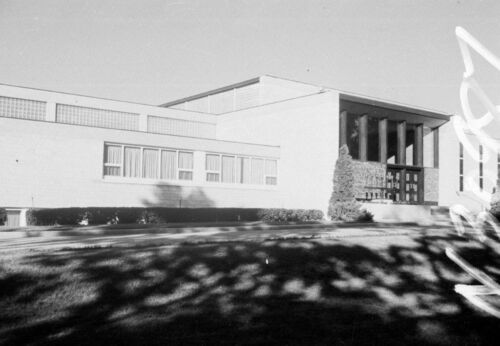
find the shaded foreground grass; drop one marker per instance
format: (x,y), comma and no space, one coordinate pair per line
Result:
(287,292)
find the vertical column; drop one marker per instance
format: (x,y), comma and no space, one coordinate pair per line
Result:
(401,155)
(363,137)
(143,122)
(418,146)
(382,140)
(343,128)
(50,111)
(435,133)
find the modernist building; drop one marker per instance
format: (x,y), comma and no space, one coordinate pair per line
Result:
(266,142)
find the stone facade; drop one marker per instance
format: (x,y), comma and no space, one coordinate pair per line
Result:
(431,185)
(369,179)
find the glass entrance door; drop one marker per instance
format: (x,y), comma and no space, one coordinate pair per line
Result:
(394,184)
(404,185)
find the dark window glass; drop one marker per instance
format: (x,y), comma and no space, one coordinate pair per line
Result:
(373,140)
(353,135)
(392,141)
(481,167)
(410,143)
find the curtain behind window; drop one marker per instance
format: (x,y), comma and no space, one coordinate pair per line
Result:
(257,171)
(228,175)
(185,163)
(132,162)
(168,164)
(150,163)
(112,156)
(212,165)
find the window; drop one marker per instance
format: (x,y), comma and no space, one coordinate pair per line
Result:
(373,140)
(392,141)
(144,162)
(410,143)
(461,168)
(271,172)
(353,135)
(228,174)
(113,160)
(481,167)
(168,164)
(150,163)
(232,169)
(132,162)
(212,166)
(185,165)
(257,175)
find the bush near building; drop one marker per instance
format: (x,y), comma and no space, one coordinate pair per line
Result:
(290,215)
(101,216)
(343,205)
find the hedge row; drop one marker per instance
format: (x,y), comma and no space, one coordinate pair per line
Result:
(290,215)
(99,216)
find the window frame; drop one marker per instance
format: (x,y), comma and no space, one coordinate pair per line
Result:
(142,148)
(238,178)
(212,171)
(114,165)
(268,175)
(185,170)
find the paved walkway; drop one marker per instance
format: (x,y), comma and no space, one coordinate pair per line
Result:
(161,237)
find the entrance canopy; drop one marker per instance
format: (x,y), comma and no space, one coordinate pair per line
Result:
(379,109)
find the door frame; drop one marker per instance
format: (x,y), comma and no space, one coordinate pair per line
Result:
(402,191)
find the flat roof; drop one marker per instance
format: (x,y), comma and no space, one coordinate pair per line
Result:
(211,92)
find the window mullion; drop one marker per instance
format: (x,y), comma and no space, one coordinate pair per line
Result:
(123,161)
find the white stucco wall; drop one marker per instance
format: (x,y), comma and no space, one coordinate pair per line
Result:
(306,129)
(449,193)
(57,165)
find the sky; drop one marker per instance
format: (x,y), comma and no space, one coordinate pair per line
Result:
(156,51)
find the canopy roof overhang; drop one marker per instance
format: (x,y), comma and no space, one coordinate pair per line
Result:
(380,109)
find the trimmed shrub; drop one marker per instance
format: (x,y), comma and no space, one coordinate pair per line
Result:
(365,216)
(289,215)
(101,216)
(343,205)
(150,217)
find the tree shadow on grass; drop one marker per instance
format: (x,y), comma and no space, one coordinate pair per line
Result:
(286,292)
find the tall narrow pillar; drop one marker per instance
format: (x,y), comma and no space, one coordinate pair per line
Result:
(363,137)
(401,156)
(435,132)
(382,140)
(343,128)
(418,146)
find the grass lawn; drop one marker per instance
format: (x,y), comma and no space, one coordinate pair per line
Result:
(362,291)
